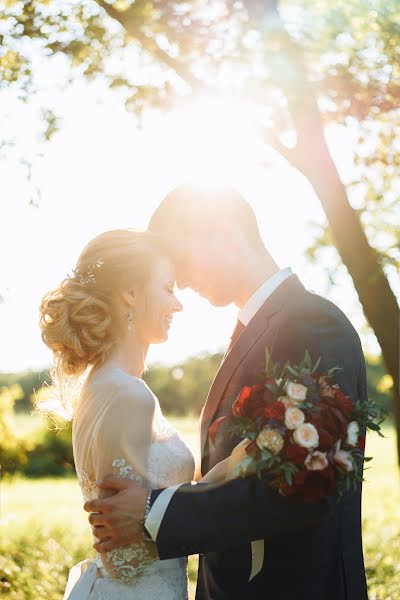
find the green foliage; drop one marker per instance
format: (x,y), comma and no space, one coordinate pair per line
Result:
(45,451)
(183,389)
(29,381)
(52,455)
(353,53)
(379,383)
(13,453)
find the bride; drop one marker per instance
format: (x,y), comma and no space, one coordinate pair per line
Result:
(99,323)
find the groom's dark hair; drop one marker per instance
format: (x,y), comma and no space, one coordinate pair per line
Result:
(194,208)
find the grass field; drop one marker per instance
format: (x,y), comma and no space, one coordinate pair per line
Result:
(44,531)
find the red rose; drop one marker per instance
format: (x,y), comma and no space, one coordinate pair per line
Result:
(240,402)
(252,401)
(329,421)
(319,484)
(298,480)
(294,453)
(275,410)
(344,404)
(326,439)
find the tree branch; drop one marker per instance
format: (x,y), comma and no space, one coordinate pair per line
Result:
(150,45)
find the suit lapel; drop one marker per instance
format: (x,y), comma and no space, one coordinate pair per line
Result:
(249,337)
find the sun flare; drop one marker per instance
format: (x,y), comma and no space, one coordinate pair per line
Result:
(213,139)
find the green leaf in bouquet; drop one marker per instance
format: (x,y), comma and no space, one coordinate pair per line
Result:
(243,427)
(244,468)
(292,371)
(307,359)
(266,454)
(270,366)
(330,373)
(288,471)
(281,375)
(373,426)
(315,367)
(272,388)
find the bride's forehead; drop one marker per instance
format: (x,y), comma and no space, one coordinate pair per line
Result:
(166,269)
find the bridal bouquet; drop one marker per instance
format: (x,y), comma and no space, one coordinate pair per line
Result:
(300,429)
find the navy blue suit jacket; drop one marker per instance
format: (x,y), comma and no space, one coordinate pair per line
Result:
(312,551)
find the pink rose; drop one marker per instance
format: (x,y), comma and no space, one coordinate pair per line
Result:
(316,461)
(296,391)
(306,436)
(344,459)
(294,417)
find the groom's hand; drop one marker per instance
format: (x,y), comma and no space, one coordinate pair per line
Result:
(117,520)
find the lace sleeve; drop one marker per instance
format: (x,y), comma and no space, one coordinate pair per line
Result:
(121,448)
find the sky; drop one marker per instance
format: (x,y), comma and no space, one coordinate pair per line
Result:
(100,171)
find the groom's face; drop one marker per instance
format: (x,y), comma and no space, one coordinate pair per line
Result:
(206,265)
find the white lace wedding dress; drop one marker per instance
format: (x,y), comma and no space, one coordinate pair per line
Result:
(119,429)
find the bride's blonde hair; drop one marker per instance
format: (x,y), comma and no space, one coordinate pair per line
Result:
(78,319)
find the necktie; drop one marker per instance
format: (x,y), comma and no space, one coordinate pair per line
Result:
(236,332)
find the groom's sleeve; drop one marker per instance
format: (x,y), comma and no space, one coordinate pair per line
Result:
(210,517)
(157,511)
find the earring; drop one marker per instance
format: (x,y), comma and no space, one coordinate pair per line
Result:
(130,319)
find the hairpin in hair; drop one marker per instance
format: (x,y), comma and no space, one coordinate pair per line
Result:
(88,277)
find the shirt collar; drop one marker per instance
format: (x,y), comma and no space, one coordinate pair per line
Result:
(256,300)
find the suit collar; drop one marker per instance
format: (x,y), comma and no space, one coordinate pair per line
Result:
(243,345)
(261,295)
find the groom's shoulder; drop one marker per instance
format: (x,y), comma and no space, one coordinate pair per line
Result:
(311,307)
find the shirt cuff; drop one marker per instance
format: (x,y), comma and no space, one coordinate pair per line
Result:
(157,511)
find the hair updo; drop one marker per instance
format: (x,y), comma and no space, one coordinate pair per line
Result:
(78,319)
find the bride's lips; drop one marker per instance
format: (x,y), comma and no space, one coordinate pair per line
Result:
(168,318)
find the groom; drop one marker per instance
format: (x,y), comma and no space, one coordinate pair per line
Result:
(305,551)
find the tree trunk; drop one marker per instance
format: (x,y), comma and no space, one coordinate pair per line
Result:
(311,156)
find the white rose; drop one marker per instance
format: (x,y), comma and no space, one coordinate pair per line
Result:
(294,417)
(296,391)
(353,429)
(316,461)
(344,460)
(306,436)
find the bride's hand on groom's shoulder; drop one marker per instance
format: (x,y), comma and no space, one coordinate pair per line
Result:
(117,520)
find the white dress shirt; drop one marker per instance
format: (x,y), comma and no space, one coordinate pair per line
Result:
(253,304)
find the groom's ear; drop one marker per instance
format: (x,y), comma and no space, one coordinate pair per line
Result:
(231,236)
